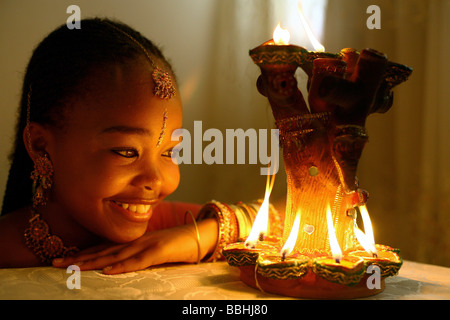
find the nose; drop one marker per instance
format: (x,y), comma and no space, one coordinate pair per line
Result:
(150,179)
(154,185)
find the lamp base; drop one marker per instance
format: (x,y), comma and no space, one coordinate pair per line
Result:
(310,286)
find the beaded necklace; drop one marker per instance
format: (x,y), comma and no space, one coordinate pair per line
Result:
(45,245)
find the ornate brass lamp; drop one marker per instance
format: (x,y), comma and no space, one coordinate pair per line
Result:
(322,252)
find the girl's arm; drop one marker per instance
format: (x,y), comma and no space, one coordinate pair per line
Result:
(170,239)
(170,214)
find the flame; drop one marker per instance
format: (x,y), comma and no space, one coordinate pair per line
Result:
(366,239)
(334,245)
(315,43)
(365,242)
(367,223)
(259,228)
(292,239)
(281,36)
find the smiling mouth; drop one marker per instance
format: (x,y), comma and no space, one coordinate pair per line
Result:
(133,207)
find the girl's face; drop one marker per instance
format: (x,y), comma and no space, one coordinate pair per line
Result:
(109,170)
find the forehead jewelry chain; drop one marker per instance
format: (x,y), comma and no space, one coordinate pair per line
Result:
(164,87)
(163,128)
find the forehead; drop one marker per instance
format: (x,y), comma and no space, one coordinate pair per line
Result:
(123,94)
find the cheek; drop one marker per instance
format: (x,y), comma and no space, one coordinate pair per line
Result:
(171,179)
(84,180)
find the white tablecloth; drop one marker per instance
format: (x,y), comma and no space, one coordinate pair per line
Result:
(206,281)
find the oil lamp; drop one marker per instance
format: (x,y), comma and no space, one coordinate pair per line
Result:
(322,252)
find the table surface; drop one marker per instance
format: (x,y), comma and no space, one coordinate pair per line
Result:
(206,281)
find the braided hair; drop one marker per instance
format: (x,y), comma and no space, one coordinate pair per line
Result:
(55,75)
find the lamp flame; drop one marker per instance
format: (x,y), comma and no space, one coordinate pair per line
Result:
(334,245)
(281,36)
(292,239)
(366,239)
(259,228)
(367,223)
(315,43)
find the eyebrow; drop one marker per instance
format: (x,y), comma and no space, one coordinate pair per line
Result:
(127,130)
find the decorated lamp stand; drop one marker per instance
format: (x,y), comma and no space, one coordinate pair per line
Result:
(322,252)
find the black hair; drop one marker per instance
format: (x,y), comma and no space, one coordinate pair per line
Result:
(57,68)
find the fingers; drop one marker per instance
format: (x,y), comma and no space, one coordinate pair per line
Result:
(94,258)
(114,260)
(134,263)
(155,248)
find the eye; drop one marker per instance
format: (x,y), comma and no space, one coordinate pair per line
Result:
(169,153)
(126,153)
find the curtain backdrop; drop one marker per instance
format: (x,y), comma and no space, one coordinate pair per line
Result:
(406,164)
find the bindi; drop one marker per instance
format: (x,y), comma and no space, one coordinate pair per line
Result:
(163,128)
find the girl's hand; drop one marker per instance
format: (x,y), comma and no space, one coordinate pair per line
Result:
(178,244)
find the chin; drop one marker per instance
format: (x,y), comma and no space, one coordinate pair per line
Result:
(124,236)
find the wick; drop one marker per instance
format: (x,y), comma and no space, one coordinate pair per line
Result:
(374,255)
(283,255)
(337,260)
(261,236)
(250,245)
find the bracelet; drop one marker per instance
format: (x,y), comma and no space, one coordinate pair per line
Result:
(210,210)
(197,232)
(227,224)
(245,215)
(235,222)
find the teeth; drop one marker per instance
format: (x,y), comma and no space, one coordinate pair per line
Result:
(142,208)
(136,208)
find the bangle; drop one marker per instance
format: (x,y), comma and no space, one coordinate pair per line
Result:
(245,216)
(227,226)
(235,222)
(197,232)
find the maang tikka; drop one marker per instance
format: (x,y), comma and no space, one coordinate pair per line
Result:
(164,87)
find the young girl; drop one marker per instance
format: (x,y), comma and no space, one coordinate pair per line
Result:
(93,160)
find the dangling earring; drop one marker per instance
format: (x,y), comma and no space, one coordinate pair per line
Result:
(42,180)
(43,167)
(37,235)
